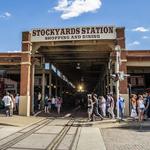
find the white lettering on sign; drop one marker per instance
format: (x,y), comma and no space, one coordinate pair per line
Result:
(79,33)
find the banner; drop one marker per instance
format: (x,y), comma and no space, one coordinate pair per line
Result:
(79,33)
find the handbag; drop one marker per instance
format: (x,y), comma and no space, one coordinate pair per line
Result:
(133,113)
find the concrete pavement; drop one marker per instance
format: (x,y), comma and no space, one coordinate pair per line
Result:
(99,135)
(19,120)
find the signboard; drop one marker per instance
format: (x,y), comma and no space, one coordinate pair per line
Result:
(47,66)
(78,33)
(137,81)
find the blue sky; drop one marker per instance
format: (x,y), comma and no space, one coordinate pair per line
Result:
(23,15)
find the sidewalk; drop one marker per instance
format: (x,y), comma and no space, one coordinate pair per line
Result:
(19,121)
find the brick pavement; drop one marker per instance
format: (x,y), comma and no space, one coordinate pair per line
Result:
(127,136)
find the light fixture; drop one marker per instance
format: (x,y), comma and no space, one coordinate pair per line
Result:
(80,88)
(78,66)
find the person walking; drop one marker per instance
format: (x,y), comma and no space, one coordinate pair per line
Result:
(7,102)
(17,99)
(49,104)
(141,107)
(39,98)
(147,105)
(13,106)
(95,108)
(46,104)
(53,103)
(58,104)
(121,107)
(90,106)
(133,106)
(110,99)
(102,105)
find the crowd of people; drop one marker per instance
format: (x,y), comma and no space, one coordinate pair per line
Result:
(11,103)
(140,106)
(100,106)
(50,103)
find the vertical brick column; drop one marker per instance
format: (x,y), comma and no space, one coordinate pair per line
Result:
(24,105)
(123,67)
(123,85)
(120,37)
(121,41)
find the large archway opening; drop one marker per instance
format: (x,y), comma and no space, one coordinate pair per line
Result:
(86,67)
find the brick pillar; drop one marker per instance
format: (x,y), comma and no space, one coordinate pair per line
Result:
(120,40)
(120,37)
(123,67)
(24,105)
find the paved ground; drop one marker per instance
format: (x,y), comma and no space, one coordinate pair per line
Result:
(66,133)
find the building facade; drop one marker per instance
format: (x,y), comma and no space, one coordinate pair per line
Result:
(48,59)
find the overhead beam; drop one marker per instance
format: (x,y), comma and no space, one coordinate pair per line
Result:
(9,63)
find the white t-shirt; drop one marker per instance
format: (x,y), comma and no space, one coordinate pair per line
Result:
(7,100)
(53,100)
(17,99)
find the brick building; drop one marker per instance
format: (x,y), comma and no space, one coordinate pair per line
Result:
(55,61)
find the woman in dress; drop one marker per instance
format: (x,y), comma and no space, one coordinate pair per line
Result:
(141,107)
(102,105)
(133,106)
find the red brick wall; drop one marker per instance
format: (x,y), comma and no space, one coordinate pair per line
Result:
(120,37)
(123,67)
(26,38)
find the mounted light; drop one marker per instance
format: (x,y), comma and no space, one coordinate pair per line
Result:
(80,88)
(78,66)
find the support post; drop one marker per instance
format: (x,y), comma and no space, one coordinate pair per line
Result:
(32,87)
(50,82)
(56,87)
(117,48)
(43,88)
(24,104)
(60,88)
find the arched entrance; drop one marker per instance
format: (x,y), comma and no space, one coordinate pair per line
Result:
(77,58)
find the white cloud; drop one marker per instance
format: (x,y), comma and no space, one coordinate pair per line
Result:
(74,8)
(141,29)
(13,51)
(145,37)
(134,43)
(5,15)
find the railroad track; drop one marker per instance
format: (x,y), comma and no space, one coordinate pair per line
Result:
(20,135)
(57,141)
